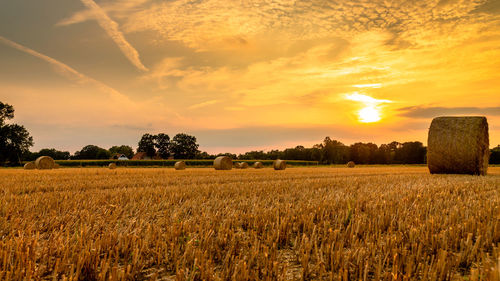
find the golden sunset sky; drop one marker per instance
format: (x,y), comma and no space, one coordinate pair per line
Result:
(245,75)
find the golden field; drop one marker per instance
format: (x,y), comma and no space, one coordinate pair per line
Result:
(389,223)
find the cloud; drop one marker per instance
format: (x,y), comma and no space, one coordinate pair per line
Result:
(365,99)
(431,112)
(64,69)
(111,28)
(203,104)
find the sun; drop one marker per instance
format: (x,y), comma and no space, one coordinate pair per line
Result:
(369,114)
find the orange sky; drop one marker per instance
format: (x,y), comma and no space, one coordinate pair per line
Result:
(243,75)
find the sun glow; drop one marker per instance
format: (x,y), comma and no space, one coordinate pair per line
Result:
(369,114)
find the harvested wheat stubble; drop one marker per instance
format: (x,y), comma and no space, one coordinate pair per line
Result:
(351,164)
(223,163)
(458,145)
(279,164)
(112,166)
(258,165)
(44,163)
(243,165)
(30,166)
(180,165)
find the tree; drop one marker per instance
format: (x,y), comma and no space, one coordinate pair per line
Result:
(147,144)
(122,149)
(495,155)
(55,154)
(335,152)
(92,152)
(162,145)
(15,140)
(184,146)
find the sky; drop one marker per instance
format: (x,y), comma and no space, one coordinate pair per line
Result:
(247,75)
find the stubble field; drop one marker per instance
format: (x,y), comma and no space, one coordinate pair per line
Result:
(389,223)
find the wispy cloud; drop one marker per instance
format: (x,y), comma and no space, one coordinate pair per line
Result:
(203,104)
(430,112)
(111,28)
(365,99)
(63,68)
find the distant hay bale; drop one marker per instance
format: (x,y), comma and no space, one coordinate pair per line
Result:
(30,166)
(258,165)
(44,163)
(112,166)
(351,164)
(180,165)
(237,165)
(279,164)
(458,145)
(243,165)
(223,163)
(57,166)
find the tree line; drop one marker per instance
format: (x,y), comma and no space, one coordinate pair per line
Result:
(15,142)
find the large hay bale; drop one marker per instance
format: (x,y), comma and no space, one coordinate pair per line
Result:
(180,165)
(223,163)
(243,165)
(351,164)
(258,165)
(458,145)
(30,166)
(112,166)
(44,163)
(279,164)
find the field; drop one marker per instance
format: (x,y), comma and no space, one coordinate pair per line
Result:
(390,223)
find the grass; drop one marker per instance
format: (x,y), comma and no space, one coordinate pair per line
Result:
(391,223)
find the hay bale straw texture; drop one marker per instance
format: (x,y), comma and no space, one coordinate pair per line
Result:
(223,163)
(458,145)
(112,166)
(279,164)
(180,165)
(243,165)
(258,165)
(30,166)
(351,164)
(44,163)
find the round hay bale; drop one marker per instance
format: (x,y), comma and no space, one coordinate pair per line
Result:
(112,166)
(223,163)
(243,165)
(30,166)
(279,164)
(351,164)
(458,145)
(57,166)
(237,165)
(180,165)
(44,163)
(258,165)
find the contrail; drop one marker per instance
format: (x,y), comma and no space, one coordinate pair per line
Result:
(64,69)
(111,28)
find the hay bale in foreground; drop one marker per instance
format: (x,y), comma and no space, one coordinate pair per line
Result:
(44,163)
(112,166)
(279,164)
(243,165)
(180,165)
(30,166)
(458,145)
(223,163)
(351,164)
(258,165)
